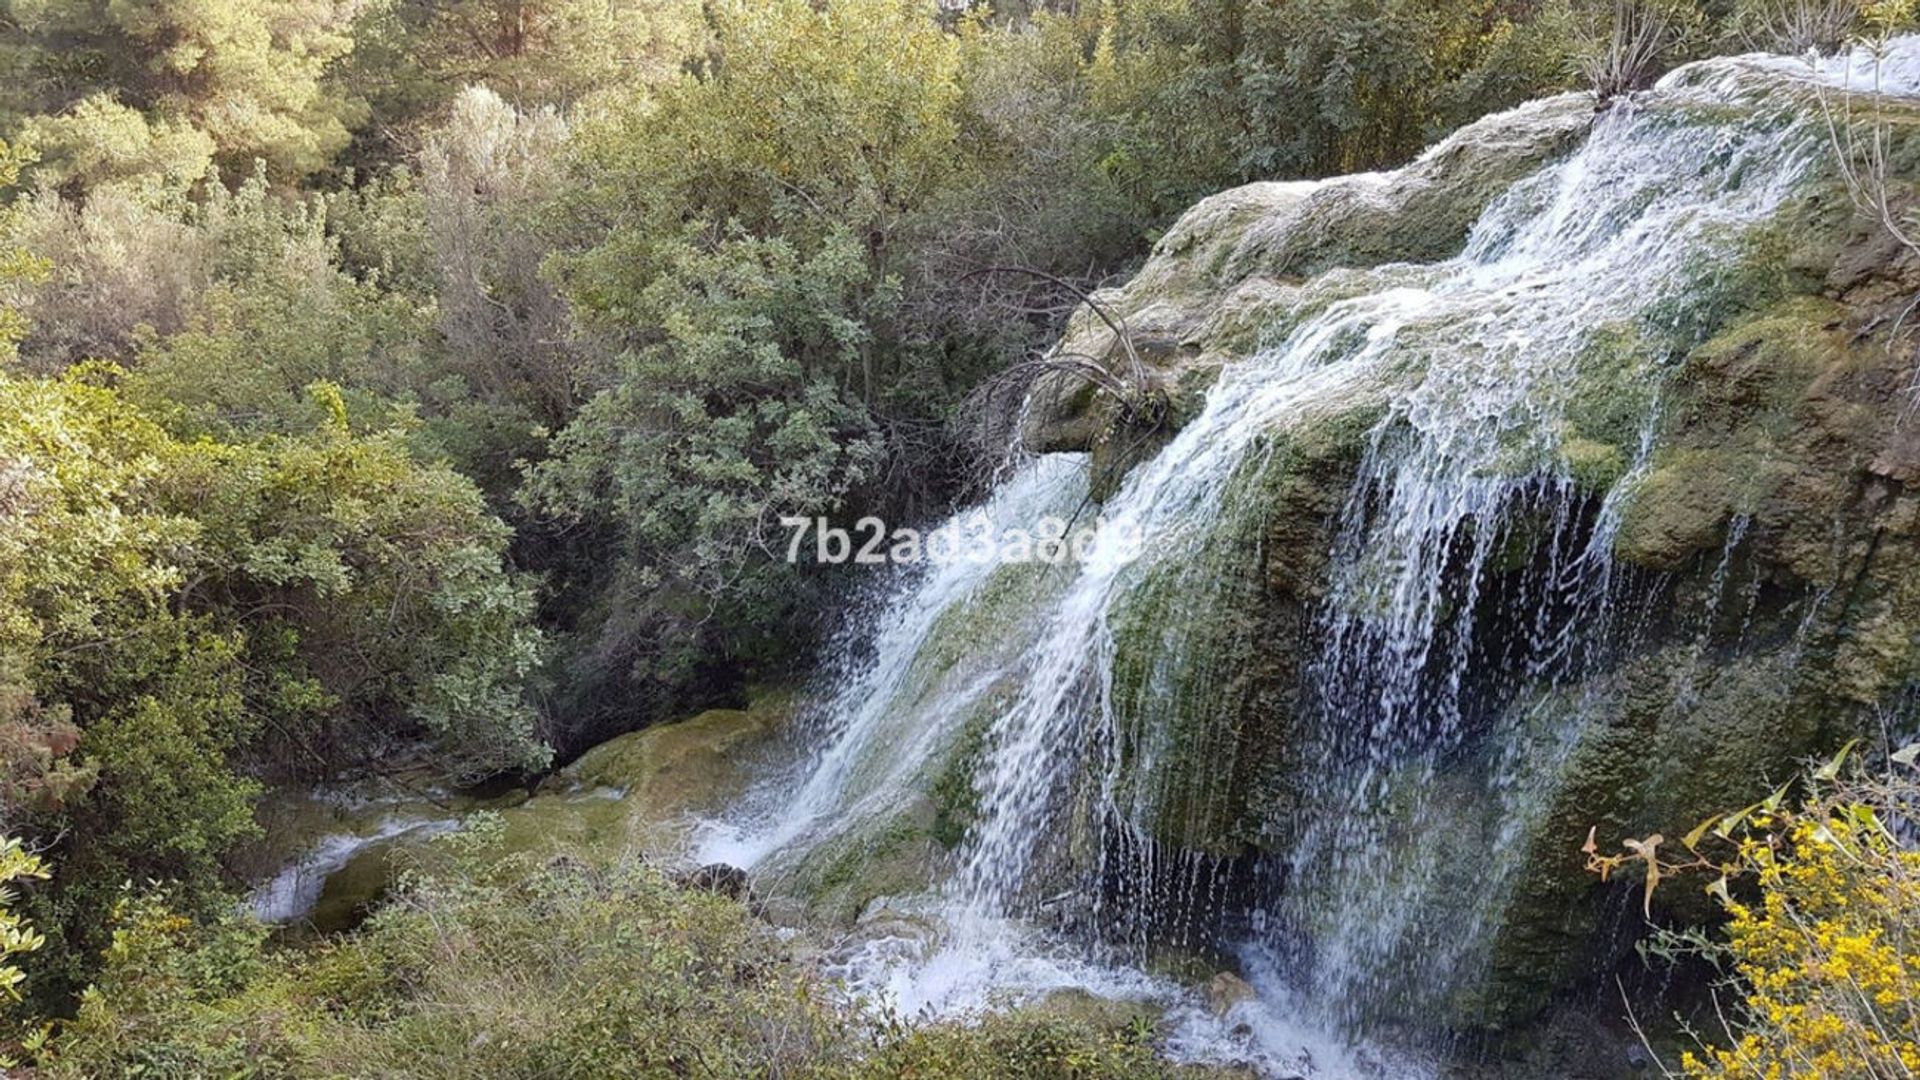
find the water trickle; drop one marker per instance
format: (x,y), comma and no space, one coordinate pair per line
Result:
(292,893)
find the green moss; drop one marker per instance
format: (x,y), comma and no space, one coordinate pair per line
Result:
(1736,429)
(967,629)
(353,890)
(1206,643)
(844,874)
(1769,264)
(1595,466)
(1610,402)
(682,764)
(589,820)
(956,799)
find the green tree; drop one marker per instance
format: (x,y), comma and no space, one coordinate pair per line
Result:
(375,585)
(204,613)
(740,225)
(1202,94)
(160,89)
(414,57)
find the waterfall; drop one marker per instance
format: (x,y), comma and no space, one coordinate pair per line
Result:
(1468,584)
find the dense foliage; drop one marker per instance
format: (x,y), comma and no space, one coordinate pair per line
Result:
(654,275)
(179,617)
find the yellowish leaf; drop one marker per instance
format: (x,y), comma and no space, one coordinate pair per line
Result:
(1831,770)
(1699,833)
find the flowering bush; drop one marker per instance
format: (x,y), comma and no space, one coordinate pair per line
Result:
(1823,931)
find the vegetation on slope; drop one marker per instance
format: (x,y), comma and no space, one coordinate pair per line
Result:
(529,967)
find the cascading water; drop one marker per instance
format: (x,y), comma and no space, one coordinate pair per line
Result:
(1471,569)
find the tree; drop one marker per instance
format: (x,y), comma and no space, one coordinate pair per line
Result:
(486,177)
(375,590)
(739,226)
(159,89)
(415,56)
(180,618)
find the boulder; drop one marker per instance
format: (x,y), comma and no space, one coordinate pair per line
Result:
(632,795)
(717,878)
(636,793)
(1226,990)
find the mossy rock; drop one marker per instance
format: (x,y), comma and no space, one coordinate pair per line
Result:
(692,765)
(842,876)
(1421,213)
(1208,646)
(904,851)
(1785,613)
(635,793)
(1206,294)
(1752,431)
(630,795)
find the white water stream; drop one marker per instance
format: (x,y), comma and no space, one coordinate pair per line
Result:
(1472,363)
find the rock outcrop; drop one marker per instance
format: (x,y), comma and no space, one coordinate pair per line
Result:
(1746,451)
(634,795)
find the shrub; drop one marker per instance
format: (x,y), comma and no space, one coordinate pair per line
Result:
(1630,42)
(1796,27)
(1823,905)
(174,616)
(492,965)
(236,82)
(16,934)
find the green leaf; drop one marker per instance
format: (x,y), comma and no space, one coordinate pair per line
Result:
(1732,821)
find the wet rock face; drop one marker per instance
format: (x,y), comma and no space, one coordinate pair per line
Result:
(849,876)
(1776,537)
(1777,556)
(632,795)
(1209,653)
(1203,296)
(1767,550)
